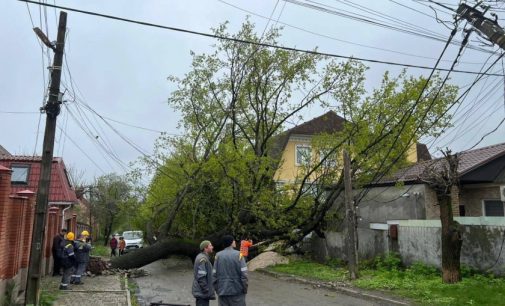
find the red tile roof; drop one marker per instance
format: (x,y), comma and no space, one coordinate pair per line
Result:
(468,161)
(59,187)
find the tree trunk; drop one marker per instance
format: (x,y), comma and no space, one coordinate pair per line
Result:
(451,242)
(162,249)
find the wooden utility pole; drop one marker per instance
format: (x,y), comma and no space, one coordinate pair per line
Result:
(350,217)
(52,109)
(488,27)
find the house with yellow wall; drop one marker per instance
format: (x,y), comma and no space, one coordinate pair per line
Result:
(294,146)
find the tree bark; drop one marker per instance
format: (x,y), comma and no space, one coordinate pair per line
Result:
(451,242)
(162,249)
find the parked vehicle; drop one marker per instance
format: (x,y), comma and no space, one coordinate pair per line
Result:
(133,239)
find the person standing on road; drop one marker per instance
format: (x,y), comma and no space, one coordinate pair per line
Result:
(122,245)
(57,250)
(230,275)
(67,261)
(81,250)
(203,284)
(113,246)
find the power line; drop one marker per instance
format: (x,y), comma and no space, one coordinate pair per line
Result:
(337,39)
(215,36)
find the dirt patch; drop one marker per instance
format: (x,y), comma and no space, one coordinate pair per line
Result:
(266,259)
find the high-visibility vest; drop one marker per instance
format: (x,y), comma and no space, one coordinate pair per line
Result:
(244,247)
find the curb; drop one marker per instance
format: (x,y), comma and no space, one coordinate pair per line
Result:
(348,291)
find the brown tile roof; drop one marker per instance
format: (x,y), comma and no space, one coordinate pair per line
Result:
(329,122)
(468,161)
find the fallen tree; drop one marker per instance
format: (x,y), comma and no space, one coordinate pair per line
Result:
(161,249)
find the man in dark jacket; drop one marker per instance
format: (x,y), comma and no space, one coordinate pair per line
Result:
(81,250)
(230,275)
(203,285)
(67,261)
(57,250)
(113,246)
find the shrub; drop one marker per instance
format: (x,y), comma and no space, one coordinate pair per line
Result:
(391,262)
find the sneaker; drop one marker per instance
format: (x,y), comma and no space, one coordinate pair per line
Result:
(64,287)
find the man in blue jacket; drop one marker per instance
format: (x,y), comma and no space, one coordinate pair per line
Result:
(203,287)
(230,275)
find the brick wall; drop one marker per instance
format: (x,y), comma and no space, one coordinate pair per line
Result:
(16,221)
(472,198)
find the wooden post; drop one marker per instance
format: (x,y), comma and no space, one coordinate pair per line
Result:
(52,109)
(350,217)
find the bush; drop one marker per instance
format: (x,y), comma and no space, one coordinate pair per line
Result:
(391,262)
(421,269)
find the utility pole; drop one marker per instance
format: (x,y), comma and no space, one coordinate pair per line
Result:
(52,109)
(350,217)
(488,27)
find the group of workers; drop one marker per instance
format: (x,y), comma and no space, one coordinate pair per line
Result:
(71,257)
(228,277)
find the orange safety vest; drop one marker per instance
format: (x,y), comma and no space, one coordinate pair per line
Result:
(244,247)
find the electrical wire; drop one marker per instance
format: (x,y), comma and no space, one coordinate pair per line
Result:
(331,55)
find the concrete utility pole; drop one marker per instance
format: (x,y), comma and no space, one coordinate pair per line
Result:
(350,217)
(52,109)
(488,27)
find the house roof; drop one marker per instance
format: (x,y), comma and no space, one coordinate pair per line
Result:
(3,151)
(60,190)
(422,152)
(329,122)
(468,161)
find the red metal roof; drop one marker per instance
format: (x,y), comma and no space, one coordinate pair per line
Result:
(59,186)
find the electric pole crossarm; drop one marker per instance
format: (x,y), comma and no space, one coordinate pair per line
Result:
(485,25)
(52,109)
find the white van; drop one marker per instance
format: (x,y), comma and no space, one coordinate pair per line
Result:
(133,239)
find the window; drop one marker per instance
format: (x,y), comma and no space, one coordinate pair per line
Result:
(302,155)
(330,160)
(493,208)
(20,174)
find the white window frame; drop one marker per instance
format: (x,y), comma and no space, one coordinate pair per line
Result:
(296,153)
(484,207)
(330,162)
(21,166)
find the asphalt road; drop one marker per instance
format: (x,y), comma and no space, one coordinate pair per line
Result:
(170,282)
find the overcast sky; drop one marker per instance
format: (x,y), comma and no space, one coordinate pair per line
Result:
(120,69)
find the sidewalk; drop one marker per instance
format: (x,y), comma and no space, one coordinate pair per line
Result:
(107,290)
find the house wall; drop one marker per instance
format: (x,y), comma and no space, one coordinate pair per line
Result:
(392,203)
(288,172)
(472,197)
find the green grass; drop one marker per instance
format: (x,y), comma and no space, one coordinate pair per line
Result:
(420,283)
(47,298)
(311,270)
(100,250)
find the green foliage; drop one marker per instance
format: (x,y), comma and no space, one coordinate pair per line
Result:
(47,298)
(311,270)
(390,262)
(235,103)
(100,250)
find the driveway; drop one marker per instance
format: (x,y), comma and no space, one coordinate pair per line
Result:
(170,281)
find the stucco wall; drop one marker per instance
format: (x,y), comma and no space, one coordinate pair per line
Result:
(483,239)
(392,203)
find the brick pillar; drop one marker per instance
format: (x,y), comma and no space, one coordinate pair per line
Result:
(455,200)
(5,203)
(27,222)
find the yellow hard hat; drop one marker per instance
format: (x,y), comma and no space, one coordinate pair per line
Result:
(85,233)
(70,236)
